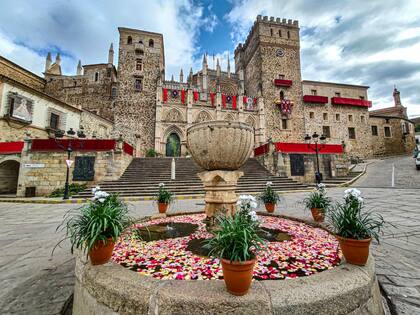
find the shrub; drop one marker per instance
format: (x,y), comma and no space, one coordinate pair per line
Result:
(349,221)
(151,153)
(318,199)
(106,216)
(74,188)
(236,239)
(164,195)
(269,195)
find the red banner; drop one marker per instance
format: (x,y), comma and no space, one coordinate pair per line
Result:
(195,96)
(127,148)
(282,82)
(224,100)
(350,101)
(165,95)
(302,148)
(261,150)
(183,96)
(212,99)
(75,144)
(11,147)
(315,99)
(234,102)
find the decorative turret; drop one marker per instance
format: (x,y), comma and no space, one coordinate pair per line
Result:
(181,76)
(205,66)
(190,76)
(58,59)
(218,70)
(48,62)
(79,68)
(111,54)
(172,78)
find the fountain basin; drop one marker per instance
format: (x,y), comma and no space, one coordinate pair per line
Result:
(220,145)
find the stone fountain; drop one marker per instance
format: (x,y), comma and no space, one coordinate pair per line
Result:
(220,148)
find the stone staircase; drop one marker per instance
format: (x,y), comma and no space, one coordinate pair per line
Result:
(335,181)
(143,175)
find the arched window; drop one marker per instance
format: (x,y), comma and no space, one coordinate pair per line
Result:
(281,95)
(139,52)
(279,33)
(288,34)
(139,64)
(129,40)
(151,43)
(96,76)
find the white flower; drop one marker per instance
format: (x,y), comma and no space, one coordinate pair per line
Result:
(95,189)
(161,184)
(321,186)
(253,204)
(360,200)
(269,183)
(253,215)
(101,199)
(352,192)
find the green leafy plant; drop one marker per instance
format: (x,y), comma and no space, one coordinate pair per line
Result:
(347,219)
(269,195)
(151,153)
(318,199)
(236,238)
(106,216)
(164,195)
(74,188)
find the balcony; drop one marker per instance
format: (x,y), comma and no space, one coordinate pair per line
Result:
(282,82)
(350,101)
(315,99)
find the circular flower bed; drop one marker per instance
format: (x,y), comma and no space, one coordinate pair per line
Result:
(308,251)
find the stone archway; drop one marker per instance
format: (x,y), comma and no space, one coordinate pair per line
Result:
(173,145)
(9,175)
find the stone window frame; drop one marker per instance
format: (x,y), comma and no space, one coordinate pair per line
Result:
(139,52)
(312,115)
(129,40)
(271,32)
(288,34)
(113,92)
(314,92)
(390,132)
(138,88)
(325,116)
(139,64)
(350,117)
(362,119)
(351,133)
(96,76)
(12,99)
(328,133)
(62,119)
(337,117)
(374,130)
(151,43)
(337,94)
(280,35)
(361,97)
(284,124)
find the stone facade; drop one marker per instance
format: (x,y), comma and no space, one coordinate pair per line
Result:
(19,74)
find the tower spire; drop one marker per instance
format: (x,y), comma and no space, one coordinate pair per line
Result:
(181,76)
(111,54)
(79,68)
(58,59)
(218,71)
(48,62)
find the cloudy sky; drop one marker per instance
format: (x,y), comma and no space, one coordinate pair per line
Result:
(371,42)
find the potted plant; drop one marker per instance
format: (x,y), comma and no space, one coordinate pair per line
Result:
(164,197)
(354,228)
(236,243)
(269,197)
(95,227)
(318,203)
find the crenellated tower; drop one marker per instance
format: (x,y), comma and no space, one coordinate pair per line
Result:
(268,65)
(141,66)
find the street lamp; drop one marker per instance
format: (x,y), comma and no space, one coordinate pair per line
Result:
(316,139)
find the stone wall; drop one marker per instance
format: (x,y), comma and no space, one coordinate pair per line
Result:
(95,126)
(398,142)
(83,91)
(10,131)
(17,73)
(108,166)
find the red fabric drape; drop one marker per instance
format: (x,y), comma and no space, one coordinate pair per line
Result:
(165,95)
(224,100)
(234,102)
(195,96)
(183,96)
(212,99)
(255,101)
(245,100)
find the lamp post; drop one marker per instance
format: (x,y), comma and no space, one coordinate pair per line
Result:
(315,139)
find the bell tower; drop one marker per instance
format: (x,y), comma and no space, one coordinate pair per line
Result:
(269,62)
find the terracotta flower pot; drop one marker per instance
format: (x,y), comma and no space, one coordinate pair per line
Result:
(356,252)
(101,253)
(238,275)
(270,207)
(318,214)
(162,207)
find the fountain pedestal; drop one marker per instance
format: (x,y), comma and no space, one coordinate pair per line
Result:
(220,195)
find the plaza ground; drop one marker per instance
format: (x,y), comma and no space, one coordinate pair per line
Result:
(34,282)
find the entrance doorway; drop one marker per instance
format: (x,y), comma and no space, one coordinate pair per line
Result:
(173,145)
(9,174)
(297,165)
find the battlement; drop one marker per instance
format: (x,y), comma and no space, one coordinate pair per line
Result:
(272,21)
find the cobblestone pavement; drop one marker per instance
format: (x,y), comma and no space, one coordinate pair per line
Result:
(33,282)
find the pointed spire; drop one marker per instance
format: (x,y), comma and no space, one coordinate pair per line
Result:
(218,70)
(228,66)
(79,68)
(58,59)
(48,62)
(111,54)
(205,59)
(181,76)
(172,78)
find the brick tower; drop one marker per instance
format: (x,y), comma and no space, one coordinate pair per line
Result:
(141,65)
(269,62)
